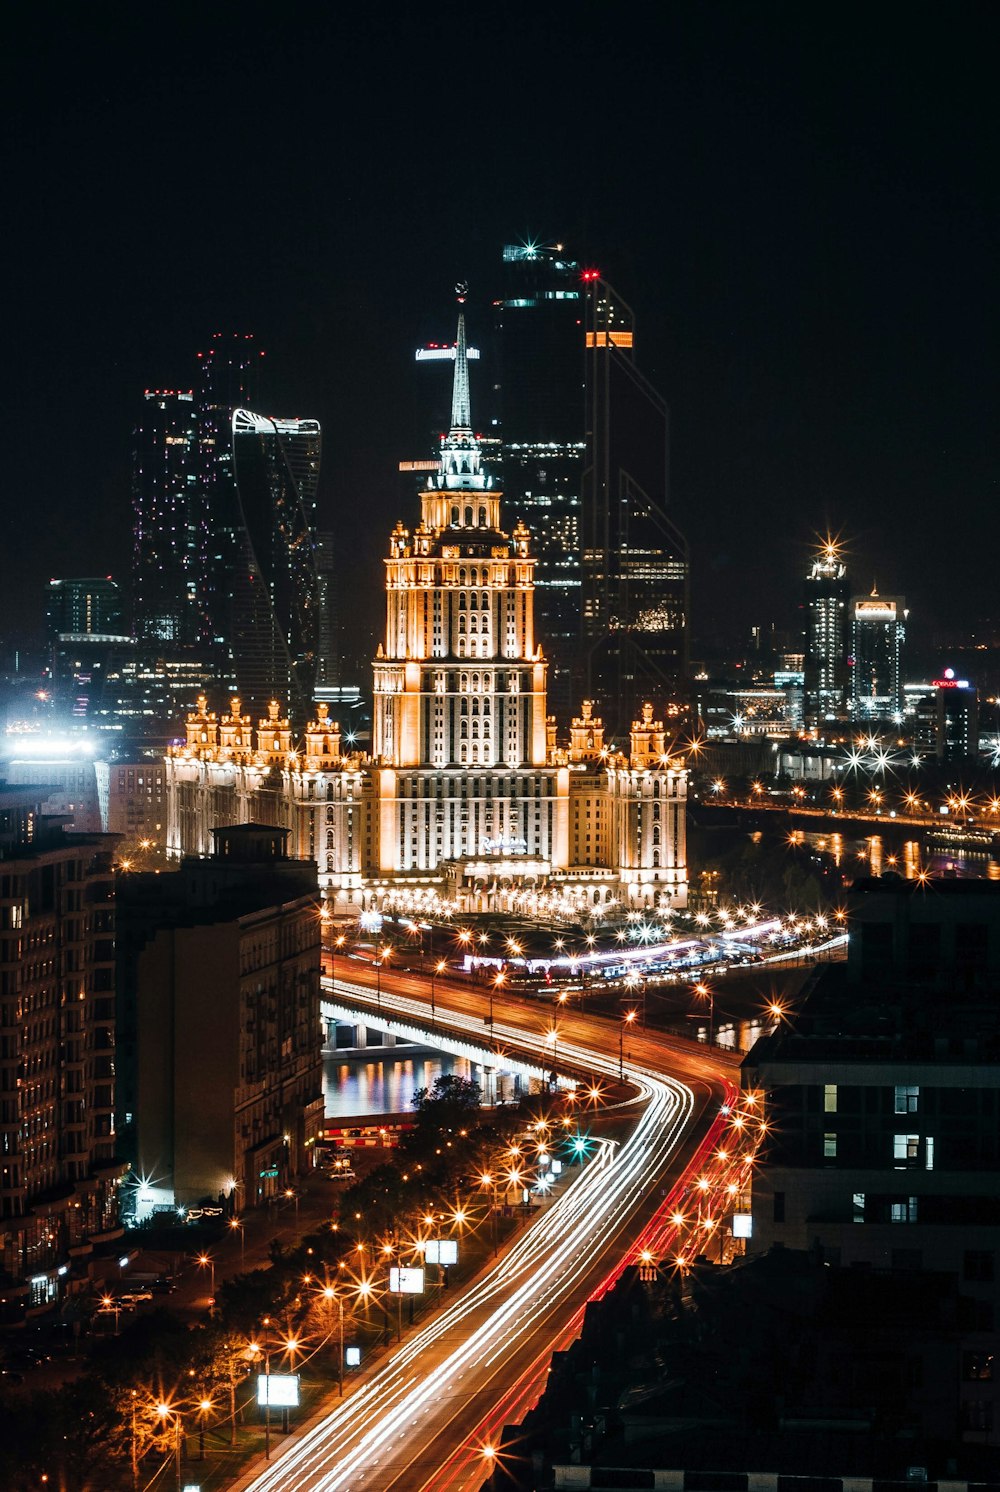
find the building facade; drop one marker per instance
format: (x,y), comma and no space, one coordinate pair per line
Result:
(220,1086)
(826,617)
(467,786)
(59,1176)
(881,1096)
(878,628)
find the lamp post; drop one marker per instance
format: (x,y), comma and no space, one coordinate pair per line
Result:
(708,993)
(439,968)
(165,1414)
(382,959)
(235,1222)
(337,945)
(206,1261)
(495,988)
(330,1294)
(204,1406)
(291,1193)
(627,1020)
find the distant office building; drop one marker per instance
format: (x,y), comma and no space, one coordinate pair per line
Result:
(825,663)
(170,523)
(58,1173)
(275,595)
(956,720)
(878,628)
(230,575)
(84,608)
(585,444)
(220,1072)
(542,371)
(634,559)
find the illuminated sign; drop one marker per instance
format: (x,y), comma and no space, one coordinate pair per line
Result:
(441,1251)
(742,1225)
(609,339)
(352,1357)
(278,1390)
(406,1281)
(503,846)
(875,611)
(434,354)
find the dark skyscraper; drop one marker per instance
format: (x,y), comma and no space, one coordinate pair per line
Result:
(826,593)
(540,320)
(275,595)
(228,563)
(585,451)
(170,522)
(634,559)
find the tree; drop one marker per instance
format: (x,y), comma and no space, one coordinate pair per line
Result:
(450,1104)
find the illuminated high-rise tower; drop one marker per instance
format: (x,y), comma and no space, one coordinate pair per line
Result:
(170,523)
(827,589)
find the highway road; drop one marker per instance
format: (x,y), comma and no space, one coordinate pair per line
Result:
(428,1416)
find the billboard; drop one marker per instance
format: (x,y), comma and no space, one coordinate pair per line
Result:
(278,1390)
(406,1281)
(441,1251)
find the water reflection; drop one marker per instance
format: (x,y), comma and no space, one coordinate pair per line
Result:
(384,1085)
(875,855)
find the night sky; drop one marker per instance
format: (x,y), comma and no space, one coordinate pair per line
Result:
(798,201)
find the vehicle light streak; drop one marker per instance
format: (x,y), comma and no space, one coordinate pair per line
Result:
(499,1310)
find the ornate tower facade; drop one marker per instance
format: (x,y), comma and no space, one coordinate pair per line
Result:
(459,682)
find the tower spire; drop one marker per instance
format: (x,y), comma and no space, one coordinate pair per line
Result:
(461,413)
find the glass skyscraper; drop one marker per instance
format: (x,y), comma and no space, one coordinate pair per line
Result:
(827,589)
(228,564)
(585,441)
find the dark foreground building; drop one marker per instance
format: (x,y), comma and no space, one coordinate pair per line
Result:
(59,1178)
(220,1094)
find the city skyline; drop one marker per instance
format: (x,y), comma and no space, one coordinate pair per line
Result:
(801,223)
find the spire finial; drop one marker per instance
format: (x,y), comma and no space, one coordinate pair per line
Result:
(461,412)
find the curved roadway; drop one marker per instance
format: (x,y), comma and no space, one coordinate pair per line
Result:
(424,1418)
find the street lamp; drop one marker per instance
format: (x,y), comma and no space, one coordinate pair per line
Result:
(439,968)
(706,992)
(291,1193)
(383,958)
(206,1261)
(235,1222)
(204,1408)
(495,989)
(627,1020)
(330,1294)
(164,1414)
(338,944)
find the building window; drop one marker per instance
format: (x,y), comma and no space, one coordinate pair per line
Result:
(978,1264)
(977,1367)
(829,1098)
(929,1153)
(907,1099)
(905,1150)
(903,1211)
(977,1414)
(829,1147)
(859,1207)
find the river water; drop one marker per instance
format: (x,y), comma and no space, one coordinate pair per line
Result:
(383,1083)
(877,853)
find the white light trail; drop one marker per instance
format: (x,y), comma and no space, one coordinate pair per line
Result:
(355,1441)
